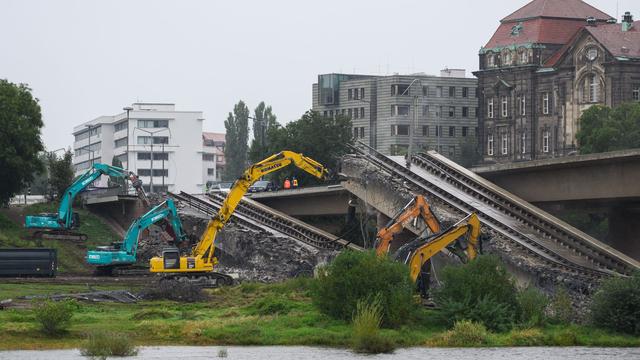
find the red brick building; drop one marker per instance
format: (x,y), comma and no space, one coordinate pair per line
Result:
(546,63)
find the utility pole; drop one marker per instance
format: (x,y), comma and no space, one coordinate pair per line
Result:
(152,133)
(163,166)
(411,127)
(127,109)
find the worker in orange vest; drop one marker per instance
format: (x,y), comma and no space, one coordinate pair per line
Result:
(287,184)
(295,182)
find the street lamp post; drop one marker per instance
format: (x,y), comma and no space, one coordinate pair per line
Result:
(91,127)
(152,133)
(414,121)
(128,109)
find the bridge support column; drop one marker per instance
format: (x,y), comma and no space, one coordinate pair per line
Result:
(624,230)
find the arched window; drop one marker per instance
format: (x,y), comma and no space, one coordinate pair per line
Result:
(591,88)
(506,57)
(491,60)
(524,56)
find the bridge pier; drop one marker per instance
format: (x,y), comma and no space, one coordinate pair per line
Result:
(624,230)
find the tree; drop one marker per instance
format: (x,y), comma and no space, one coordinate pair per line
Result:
(264,120)
(604,129)
(324,139)
(235,151)
(60,172)
(469,152)
(20,142)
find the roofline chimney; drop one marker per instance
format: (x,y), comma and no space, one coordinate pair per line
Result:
(627,21)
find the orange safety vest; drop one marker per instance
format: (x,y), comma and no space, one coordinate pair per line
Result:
(287,184)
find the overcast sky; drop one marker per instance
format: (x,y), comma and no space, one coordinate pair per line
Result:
(88,58)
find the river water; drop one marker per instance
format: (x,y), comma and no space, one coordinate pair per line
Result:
(313,353)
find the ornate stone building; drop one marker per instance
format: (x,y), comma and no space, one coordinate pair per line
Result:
(547,63)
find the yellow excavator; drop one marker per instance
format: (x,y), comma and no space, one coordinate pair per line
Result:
(417,253)
(199,265)
(417,207)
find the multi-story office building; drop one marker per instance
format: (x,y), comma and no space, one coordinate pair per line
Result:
(545,65)
(212,156)
(442,108)
(153,140)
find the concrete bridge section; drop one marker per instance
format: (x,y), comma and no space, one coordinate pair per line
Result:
(308,201)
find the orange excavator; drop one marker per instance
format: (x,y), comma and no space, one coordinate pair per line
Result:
(416,208)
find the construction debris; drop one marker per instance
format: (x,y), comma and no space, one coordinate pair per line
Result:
(118,296)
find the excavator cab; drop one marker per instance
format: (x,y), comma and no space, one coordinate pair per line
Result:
(171,258)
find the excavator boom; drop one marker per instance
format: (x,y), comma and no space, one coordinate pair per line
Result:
(202,259)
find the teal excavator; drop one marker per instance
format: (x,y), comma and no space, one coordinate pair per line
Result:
(123,254)
(61,225)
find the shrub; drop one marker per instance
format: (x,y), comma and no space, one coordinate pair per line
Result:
(481,291)
(526,337)
(366,328)
(174,291)
(103,344)
(355,276)
(566,337)
(54,317)
(616,305)
(465,333)
(560,308)
(271,305)
(532,305)
(151,314)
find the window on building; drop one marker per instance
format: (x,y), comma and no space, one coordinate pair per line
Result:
(163,156)
(400,130)
(504,107)
(505,144)
(356,113)
(545,103)
(120,143)
(452,131)
(350,94)
(122,158)
(361,93)
(120,126)
(325,114)
(439,111)
(491,62)
(356,94)
(350,113)
(490,109)
(94,132)
(523,105)
(452,151)
(399,110)
(465,131)
(146,140)
(362,132)
(425,91)
(636,94)
(156,172)
(594,88)
(490,145)
(438,91)
(523,142)
(465,92)
(400,89)
(506,58)
(524,56)
(452,111)
(465,111)
(210,171)
(425,130)
(331,114)
(361,112)
(452,91)
(153,123)
(425,110)
(438,131)
(545,141)
(343,111)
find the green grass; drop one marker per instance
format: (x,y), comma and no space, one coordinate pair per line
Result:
(231,317)
(70,255)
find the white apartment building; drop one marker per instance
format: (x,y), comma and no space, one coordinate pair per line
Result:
(174,137)
(212,157)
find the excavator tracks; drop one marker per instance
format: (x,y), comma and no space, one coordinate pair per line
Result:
(541,235)
(253,215)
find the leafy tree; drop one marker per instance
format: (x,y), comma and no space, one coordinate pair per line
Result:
(264,120)
(20,125)
(60,172)
(469,151)
(320,138)
(604,129)
(235,151)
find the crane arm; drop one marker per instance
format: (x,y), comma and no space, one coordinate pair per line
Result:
(416,256)
(205,246)
(418,206)
(165,210)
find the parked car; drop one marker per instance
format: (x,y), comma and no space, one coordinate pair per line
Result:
(223,186)
(262,186)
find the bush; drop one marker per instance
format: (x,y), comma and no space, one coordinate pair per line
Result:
(174,291)
(526,337)
(616,305)
(103,344)
(480,291)
(532,305)
(271,305)
(366,328)
(561,309)
(151,314)
(566,337)
(465,333)
(355,276)
(54,317)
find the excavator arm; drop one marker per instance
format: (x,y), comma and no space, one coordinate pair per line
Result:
(202,258)
(417,207)
(415,254)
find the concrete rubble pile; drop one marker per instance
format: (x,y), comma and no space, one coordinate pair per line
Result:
(527,269)
(247,255)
